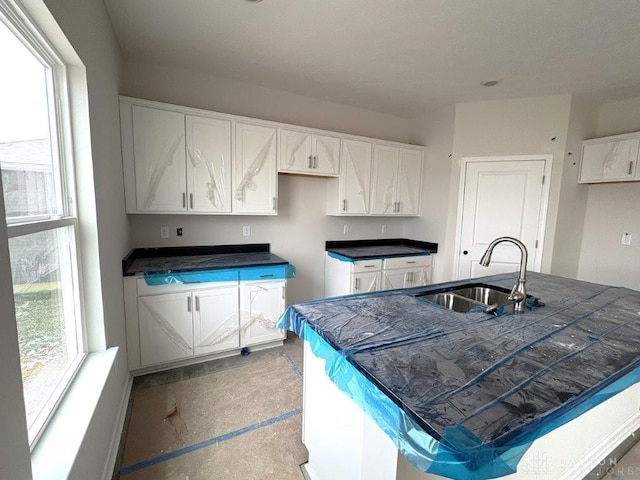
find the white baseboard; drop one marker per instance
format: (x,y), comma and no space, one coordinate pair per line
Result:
(117,433)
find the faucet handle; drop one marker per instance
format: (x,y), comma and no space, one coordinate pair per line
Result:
(516,295)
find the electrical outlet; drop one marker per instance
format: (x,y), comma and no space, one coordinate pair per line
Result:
(246,231)
(164,232)
(345,229)
(179,231)
(384,228)
(626,239)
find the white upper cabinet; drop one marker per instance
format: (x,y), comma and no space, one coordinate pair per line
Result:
(208,164)
(610,159)
(309,153)
(255,174)
(397,180)
(350,193)
(158,149)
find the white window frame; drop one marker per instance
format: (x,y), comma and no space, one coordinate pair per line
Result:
(63,170)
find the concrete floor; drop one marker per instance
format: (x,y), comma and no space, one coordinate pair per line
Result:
(238,417)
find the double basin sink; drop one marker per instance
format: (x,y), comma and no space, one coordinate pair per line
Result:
(476,296)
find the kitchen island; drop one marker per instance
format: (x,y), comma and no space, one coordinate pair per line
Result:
(398,387)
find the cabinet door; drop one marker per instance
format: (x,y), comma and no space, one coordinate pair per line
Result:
(255,174)
(355,177)
(365,282)
(385,169)
(409,180)
(208,164)
(159,156)
(261,306)
(326,154)
(609,161)
(397,278)
(216,323)
(166,327)
(295,152)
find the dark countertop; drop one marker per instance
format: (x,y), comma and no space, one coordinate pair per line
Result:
(380,248)
(490,377)
(191,259)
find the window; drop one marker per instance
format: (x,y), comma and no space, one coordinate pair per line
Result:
(37,186)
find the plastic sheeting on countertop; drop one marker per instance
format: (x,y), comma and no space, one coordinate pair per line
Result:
(245,274)
(472,391)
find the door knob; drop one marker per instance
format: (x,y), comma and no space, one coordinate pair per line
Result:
(465,252)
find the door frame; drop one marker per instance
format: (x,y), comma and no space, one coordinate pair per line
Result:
(544,206)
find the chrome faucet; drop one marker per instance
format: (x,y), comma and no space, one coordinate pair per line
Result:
(518,293)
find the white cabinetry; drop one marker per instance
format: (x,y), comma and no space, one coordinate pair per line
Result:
(397,179)
(215,320)
(610,159)
(406,272)
(208,164)
(255,175)
(175,162)
(261,305)
(179,160)
(343,277)
(350,193)
(308,153)
(166,331)
(177,323)
(157,143)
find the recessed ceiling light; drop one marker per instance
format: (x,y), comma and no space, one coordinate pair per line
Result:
(490,83)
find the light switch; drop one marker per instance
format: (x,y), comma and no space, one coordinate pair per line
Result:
(626,239)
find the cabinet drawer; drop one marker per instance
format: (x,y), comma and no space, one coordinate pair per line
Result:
(367,265)
(407,262)
(261,274)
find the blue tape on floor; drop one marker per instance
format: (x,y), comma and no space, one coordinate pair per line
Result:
(294,367)
(207,443)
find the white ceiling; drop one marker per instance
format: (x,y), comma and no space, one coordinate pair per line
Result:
(397,56)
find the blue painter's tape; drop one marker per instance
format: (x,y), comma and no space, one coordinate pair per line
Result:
(203,276)
(275,272)
(458,454)
(272,272)
(342,258)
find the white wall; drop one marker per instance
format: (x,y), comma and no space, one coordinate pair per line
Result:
(612,209)
(299,231)
(526,126)
(103,223)
(436,132)
(573,195)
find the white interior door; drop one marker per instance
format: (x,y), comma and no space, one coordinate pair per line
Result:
(501,198)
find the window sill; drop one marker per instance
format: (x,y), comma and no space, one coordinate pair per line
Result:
(56,451)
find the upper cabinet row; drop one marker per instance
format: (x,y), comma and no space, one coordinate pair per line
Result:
(610,159)
(181,160)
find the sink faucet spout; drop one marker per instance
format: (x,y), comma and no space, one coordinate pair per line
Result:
(518,292)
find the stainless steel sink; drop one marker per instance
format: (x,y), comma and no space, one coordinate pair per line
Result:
(465,298)
(454,302)
(484,294)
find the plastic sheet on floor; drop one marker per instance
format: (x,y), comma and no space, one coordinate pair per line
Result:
(465,395)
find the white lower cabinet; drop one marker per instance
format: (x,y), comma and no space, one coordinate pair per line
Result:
(342,277)
(406,272)
(179,322)
(261,305)
(215,320)
(166,331)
